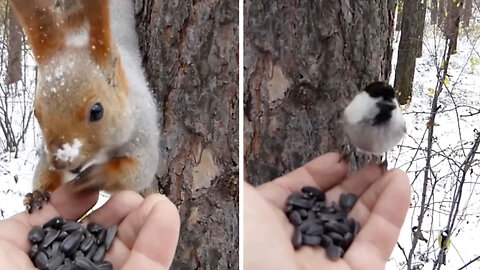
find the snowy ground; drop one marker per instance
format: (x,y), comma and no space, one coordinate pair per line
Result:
(451,135)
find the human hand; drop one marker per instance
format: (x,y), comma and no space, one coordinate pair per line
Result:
(381,209)
(148,229)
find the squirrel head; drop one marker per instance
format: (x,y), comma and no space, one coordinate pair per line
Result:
(81,102)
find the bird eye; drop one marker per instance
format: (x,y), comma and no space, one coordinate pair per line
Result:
(96,112)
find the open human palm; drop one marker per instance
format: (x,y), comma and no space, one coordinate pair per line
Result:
(384,198)
(147,236)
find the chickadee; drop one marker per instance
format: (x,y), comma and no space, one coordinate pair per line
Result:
(418,234)
(444,245)
(373,120)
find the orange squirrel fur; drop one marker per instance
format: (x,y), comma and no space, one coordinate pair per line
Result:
(97,115)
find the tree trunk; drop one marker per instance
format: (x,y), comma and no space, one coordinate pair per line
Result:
(433,12)
(467,12)
(304,61)
(441,13)
(15,34)
(420,28)
(398,25)
(190,52)
(452,22)
(407,49)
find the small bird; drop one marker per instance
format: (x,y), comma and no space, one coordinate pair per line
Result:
(418,234)
(373,120)
(444,243)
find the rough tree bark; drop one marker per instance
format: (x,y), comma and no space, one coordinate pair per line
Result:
(407,51)
(452,22)
(398,24)
(304,60)
(190,53)
(467,12)
(15,35)
(433,11)
(420,28)
(441,13)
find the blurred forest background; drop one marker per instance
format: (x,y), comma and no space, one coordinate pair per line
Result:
(305,60)
(190,54)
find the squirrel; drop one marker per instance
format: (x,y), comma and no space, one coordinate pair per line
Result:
(97,115)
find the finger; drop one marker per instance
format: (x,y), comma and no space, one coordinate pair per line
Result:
(389,200)
(358,183)
(66,203)
(115,209)
(163,222)
(62,202)
(322,172)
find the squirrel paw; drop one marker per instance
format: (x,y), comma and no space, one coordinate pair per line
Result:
(34,200)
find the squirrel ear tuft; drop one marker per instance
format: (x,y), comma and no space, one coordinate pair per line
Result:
(39,22)
(98,17)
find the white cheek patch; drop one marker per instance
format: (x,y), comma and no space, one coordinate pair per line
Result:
(69,152)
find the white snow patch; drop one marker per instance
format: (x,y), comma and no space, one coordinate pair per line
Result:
(69,152)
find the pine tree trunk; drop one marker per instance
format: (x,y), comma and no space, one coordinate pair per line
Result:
(467,12)
(304,60)
(433,12)
(190,52)
(407,49)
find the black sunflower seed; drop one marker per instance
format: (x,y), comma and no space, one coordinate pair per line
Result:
(302,203)
(33,251)
(101,236)
(111,232)
(336,238)
(94,228)
(314,192)
(347,240)
(62,236)
(335,226)
(41,260)
(315,229)
(347,201)
(55,223)
(66,267)
(71,226)
(99,254)
(295,218)
(92,251)
(55,261)
(311,240)
(70,244)
(49,238)
(334,252)
(83,263)
(36,234)
(87,243)
(326,241)
(297,238)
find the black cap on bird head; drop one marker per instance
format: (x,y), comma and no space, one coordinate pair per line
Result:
(380,89)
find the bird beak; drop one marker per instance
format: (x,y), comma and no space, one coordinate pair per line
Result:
(386,105)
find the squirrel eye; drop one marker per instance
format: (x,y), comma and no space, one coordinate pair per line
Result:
(96,112)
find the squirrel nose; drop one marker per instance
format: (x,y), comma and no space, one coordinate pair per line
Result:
(59,164)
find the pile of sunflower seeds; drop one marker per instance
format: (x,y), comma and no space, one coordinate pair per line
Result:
(319,224)
(68,245)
